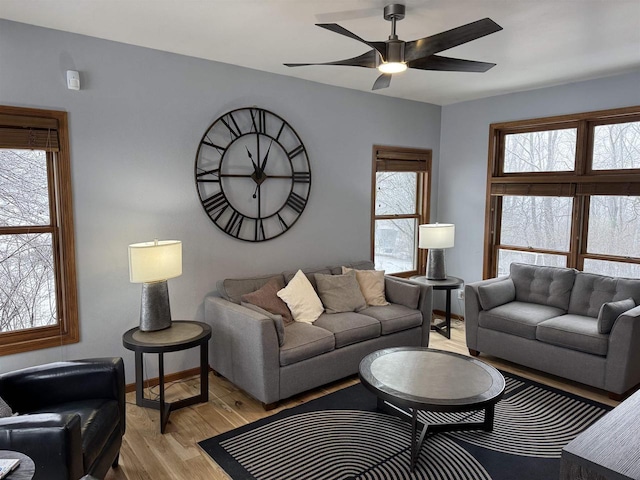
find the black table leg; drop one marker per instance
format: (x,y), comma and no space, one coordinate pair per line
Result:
(139,380)
(204,372)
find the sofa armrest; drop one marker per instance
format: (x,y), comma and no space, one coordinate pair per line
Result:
(623,358)
(65,382)
(52,441)
(402,291)
(244,348)
(472,308)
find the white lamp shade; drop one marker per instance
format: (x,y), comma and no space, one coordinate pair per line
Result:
(155,261)
(436,235)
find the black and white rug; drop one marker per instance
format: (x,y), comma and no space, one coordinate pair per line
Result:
(342,436)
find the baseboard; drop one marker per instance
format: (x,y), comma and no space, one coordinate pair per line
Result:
(455,316)
(171,377)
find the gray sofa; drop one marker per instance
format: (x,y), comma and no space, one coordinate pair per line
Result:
(245,344)
(580,326)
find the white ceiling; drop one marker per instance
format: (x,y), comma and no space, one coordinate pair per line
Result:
(544,42)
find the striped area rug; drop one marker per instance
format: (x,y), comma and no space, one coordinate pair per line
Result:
(342,436)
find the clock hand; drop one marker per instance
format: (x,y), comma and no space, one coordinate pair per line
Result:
(255,166)
(256,190)
(264,162)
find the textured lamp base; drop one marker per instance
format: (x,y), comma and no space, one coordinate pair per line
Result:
(435,264)
(155,312)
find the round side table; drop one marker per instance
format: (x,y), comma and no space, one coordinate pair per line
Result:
(181,335)
(448,284)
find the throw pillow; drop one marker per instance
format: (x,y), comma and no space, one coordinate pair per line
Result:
(267,298)
(5,410)
(371,284)
(302,299)
(278,321)
(610,311)
(340,293)
(496,293)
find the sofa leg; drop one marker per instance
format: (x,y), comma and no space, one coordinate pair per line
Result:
(269,406)
(616,396)
(115,461)
(473,353)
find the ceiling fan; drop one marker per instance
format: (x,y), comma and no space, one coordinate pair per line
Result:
(394,55)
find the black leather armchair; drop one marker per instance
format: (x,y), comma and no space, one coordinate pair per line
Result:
(71,416)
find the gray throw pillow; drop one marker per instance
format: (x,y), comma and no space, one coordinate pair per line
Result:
(340,293)
(5,410)
(494,294)
(610,311)
(278,322)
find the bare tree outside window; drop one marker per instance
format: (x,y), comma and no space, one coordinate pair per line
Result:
(546,151)
(27,277)
(555,204)
(400,204)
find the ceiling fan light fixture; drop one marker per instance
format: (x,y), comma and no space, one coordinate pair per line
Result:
(392,67)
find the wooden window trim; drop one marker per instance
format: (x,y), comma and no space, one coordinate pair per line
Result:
(67,330)
(579,184)
(403,159)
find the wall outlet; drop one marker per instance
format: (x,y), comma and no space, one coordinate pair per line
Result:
(460,294)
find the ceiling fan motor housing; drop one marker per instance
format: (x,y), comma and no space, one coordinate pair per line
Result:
(395,51)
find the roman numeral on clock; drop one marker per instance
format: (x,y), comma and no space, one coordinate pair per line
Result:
(233,127)
(234,224)
(215,173)
(296,151)
(296,202)
(302,177)
(217,203)
(259,120)
(259,230)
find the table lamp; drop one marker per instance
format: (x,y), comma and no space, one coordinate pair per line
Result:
(436,237)
(152,264)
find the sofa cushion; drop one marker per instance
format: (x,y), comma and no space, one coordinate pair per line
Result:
(277,320)
(340,293)
(543,285)
(394,317)
(371,284)
(517,318)
(402,292)
(591,291)
(496,293)
(610,311)
(267,299)
(576,332)
(232,289)
(98,419)
(309,272)
(349,327)
(302,299)
(304,341)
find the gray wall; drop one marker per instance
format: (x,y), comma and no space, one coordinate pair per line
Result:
(134,129)
(464,148)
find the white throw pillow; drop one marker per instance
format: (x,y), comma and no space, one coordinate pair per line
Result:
(372,285)
(5,410)
(302,299)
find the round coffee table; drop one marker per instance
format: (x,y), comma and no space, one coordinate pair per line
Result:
(24,471)
(409,379)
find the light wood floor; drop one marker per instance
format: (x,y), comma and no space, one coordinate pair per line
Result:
(146,454)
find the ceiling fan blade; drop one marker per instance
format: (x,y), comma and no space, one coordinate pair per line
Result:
(367,60)
(425,47)
(381,47)
(383,81)
(446,64)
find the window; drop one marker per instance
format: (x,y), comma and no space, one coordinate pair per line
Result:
(38,306)
(400,202)
(565,191)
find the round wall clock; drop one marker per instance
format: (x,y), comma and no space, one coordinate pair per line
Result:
(252,174)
